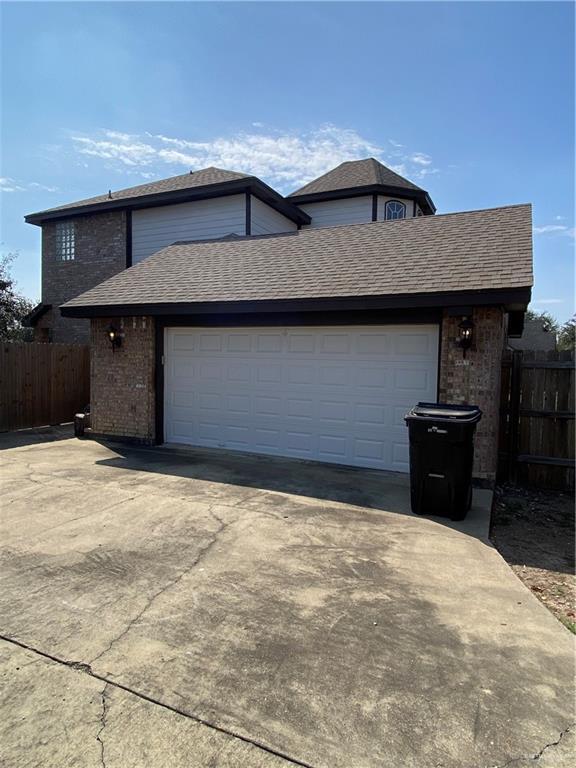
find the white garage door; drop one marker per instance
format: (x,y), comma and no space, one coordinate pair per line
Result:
(336,394)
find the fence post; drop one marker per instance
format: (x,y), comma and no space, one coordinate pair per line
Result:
(515,393)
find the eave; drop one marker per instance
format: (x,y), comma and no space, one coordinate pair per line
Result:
(249,184)
(511,299)
(421,196)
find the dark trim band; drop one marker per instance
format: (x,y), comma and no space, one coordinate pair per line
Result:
(128,239)
(248,226)
(250,184)
(420,195)
(510,298)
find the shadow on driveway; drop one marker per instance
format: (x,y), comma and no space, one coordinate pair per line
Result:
(367,488)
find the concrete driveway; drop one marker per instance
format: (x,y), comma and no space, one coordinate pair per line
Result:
(210,610)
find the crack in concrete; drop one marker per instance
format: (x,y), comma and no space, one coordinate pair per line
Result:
(103,716)
(79,666)
(539,754)
(80,517)
(199,557)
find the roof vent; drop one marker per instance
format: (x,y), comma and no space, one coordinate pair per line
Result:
(191,172)
(109,194)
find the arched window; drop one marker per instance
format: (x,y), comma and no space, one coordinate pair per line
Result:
(395,210)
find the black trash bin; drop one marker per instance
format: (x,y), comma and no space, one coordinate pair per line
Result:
(441,456)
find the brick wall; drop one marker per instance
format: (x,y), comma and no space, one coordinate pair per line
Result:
(100,252)
(122,388)
(475,380)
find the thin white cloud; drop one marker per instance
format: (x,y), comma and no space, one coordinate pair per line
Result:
(8,184)
(421,159)
(547,228)
(42,187)
(285,159)
(548,301)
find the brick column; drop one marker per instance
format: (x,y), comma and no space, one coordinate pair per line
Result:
(475,380)
(122,391)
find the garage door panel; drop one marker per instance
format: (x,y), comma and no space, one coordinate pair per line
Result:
(369,450)
(268,373)
(335,395)
(300,373)
(241,342)
(372,344)
(412,344)
(303,343)
(299,407)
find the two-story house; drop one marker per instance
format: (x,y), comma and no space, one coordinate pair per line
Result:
(224,314)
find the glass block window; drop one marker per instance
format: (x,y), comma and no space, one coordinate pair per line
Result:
(395,210)
(65,240)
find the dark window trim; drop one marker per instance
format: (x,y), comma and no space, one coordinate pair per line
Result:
(512,298)
(388,203)
(374,207)
(258,188)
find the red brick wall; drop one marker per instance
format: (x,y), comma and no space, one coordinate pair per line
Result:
(475,380)
(122,386)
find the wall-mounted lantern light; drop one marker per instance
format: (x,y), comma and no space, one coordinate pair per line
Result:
(114,336)
(465,332)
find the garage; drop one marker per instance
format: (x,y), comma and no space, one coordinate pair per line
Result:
(335,394)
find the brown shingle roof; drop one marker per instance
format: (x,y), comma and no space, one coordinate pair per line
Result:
(471,251)
(190,180)
(356,173)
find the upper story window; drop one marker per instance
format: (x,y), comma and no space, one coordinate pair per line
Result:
(395,210)
(65,240)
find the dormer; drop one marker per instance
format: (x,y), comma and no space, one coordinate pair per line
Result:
(359,191)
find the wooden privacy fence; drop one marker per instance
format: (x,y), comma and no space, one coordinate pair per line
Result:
(42,384)
(537,419)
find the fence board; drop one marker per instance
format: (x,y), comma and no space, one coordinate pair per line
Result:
(537,419)
(42,384)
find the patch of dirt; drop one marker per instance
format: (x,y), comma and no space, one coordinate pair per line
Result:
(534,532)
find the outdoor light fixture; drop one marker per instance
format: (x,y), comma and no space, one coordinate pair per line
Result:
(465,328)
(114,336)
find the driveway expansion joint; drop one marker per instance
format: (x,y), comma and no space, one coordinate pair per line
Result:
(79,666)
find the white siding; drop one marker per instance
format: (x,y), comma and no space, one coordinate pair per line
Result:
(331,213)
(155,228)
(350,210)
(382,206)
(268,221)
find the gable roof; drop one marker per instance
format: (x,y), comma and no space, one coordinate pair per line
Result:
(193,185)
(458,253)
(364,177)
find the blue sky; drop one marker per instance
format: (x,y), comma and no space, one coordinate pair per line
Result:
(472,101)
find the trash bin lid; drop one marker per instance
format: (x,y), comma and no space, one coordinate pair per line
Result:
(443,411)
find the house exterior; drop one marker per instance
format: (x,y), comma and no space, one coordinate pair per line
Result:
(536,337)
(302,326)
